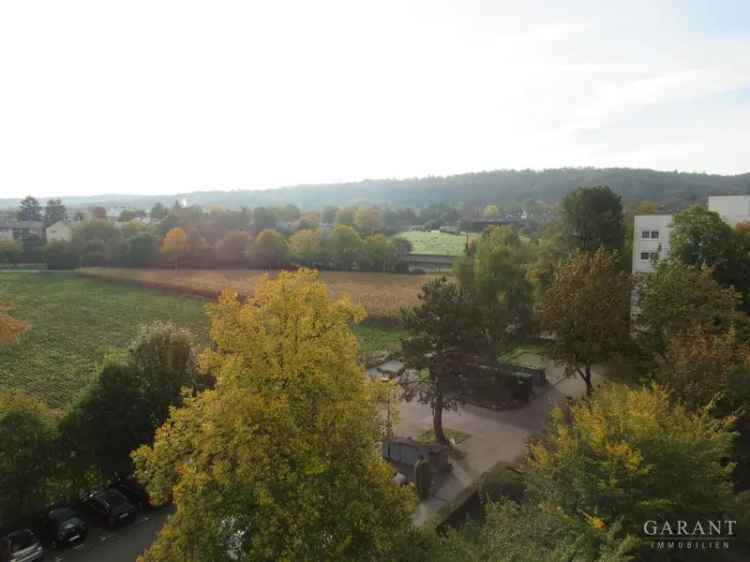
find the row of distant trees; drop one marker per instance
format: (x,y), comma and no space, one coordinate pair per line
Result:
(341,249)
(350,237)
(101,243)
(265,237)
(367,219)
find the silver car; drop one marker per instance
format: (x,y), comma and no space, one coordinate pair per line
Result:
(24,546)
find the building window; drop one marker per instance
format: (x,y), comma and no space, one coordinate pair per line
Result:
(645,234)
(645,255)
(655,234)
(653,255)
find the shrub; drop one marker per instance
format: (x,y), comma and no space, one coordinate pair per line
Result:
(142,250)
(27,439)
(93,258)
(32,248)
(503,483)
(10,251)
(60,255)
(97,237)
(377,254)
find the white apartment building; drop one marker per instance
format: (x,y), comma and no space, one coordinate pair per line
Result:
(651,232)
(650,241)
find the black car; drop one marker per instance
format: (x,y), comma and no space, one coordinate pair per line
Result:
(134,491)
(111,506)
(65,526)
(24,546)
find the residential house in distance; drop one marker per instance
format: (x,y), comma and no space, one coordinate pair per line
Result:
(18,230)
(145,220)
(61,231)
(113,213)
(651,233)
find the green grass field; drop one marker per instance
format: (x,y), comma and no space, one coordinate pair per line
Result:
(436,242)
(74,321)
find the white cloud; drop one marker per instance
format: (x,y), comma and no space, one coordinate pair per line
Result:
(159,97)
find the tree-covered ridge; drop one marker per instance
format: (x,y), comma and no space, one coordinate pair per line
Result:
(677,189)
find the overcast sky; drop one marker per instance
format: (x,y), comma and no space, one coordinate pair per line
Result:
(163,97)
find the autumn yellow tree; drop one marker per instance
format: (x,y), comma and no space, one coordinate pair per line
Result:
(368,221)
(306,247)
(10,328)
(345,215)
(491,212)
(629,455)
(310,220)
(174,247)
(269,250)
(280,460)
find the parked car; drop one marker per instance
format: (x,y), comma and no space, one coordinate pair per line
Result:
(24,546)
(110,506)
(134,491)
(65,526)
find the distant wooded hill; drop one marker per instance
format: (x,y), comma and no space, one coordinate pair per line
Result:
(675,189)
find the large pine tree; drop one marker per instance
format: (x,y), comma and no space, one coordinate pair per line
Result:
(54,212)
(29,209)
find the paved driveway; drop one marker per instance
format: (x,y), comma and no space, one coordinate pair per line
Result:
(494,437)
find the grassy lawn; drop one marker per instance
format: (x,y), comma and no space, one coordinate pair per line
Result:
(74,321)
(457,436)
(527,355)
(435,242)
(378,337)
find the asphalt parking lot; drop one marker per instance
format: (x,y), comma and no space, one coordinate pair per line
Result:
(122,544)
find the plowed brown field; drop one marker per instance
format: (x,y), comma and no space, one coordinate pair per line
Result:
(382,294)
